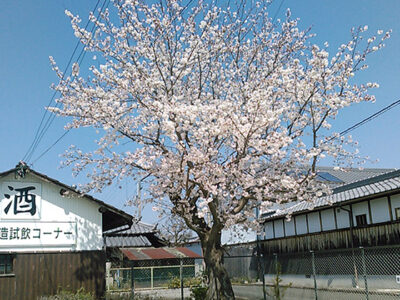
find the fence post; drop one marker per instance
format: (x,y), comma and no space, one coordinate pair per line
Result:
(263,276)
(132,283)
(181,276)
(314,274)
(276,270)
(364,272)
(152,277)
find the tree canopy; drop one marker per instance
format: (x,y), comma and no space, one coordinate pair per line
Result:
(225,109)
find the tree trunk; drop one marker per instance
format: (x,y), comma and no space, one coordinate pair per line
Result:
(219,284)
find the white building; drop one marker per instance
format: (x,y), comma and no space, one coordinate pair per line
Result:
(51,236)
(362,213)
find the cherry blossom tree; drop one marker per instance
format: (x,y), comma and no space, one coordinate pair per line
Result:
(221,108)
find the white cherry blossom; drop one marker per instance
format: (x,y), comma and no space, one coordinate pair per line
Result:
(222,110)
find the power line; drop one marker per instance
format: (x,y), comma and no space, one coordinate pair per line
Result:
(44,125)
(39,130)
(355,126)
(277,11)
(48,149)
(51,118)
(371,117)
(80,57)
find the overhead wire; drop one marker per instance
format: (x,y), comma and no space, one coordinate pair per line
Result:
(34,144)
(371,117)
(48,149)
(42,130)
(79,61)
(277,11)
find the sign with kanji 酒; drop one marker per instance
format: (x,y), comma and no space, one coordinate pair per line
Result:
(20,201)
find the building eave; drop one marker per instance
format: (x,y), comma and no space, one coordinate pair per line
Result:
(374,187)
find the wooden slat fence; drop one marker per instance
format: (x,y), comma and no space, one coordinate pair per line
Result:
(43,274)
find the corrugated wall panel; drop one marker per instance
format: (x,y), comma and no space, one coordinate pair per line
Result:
(7,288)
(41,274)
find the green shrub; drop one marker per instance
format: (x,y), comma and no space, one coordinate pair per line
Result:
(198,292)
(175,282)
(192,282)
(80,294)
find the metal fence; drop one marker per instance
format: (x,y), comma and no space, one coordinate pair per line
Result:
(361,273)
(155,275)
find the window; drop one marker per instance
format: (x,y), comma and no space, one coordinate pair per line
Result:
(397,213)
(6,264)
(361,220)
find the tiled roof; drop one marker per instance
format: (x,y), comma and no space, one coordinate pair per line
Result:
(127,241)
(353,174)
(137,228)
(138,235)
(379,184)
(334,178)
(158,253)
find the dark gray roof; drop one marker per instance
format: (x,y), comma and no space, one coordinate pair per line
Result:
(334,178)
(139,234)
(127,241)
(136,228)
(383,183)
(350,175)
(141,227)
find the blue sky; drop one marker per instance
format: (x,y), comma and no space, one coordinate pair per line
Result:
(31,31)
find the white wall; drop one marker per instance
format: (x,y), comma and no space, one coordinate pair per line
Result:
(395,202)
(278,224)
(328,219)
(56,208)
(301,224)
(289,227)
(360,208)
(314,224)
(269,230)
(342,217)
(380,210)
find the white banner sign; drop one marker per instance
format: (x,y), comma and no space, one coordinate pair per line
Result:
(32,234)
